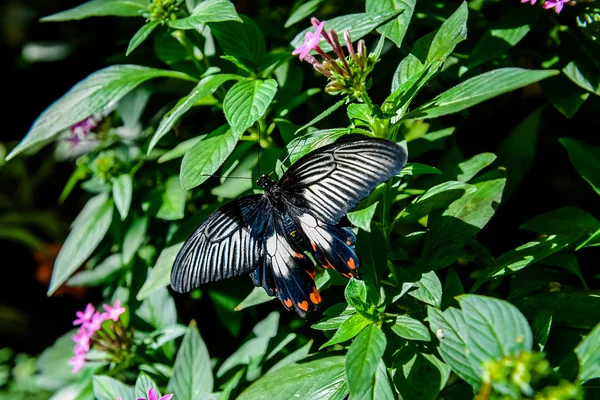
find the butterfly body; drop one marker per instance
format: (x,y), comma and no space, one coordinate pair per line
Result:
(269,236)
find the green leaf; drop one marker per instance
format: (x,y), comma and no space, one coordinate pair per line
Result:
(107,388)
(382,389)
(303,11)
(321,116)
(122,190)
(53,363)
(435,198)
(331,323)
(160,274)
(415,169)
(142,384)
(564,95)
(396,29)
(319,379)
(206,86)
(410,328)
(134,237)
(247,101)
(99,90)
(429,289)
(293,357)
(466,170)
(478,89)
(202,160)
(525,255)
(356,294)
(586,160)
(192,374)
(362,218)
(100,8)
(205,12)
(244,41)
(517,151)
(173,200)
(159,310)
(180,149)
(349,329)
(358,25)
(563,220)
(101,274)
(540,328)
(588,354)
(359,114)
(92,224)
(584,75)
(505,32)
(256,296)
(362,361)
(141,35)
(421,377)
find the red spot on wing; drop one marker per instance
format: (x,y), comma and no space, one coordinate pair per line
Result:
(303,305)
(315,297)
(288,303)
(351,263)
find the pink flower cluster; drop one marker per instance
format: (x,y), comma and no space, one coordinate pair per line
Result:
(152,395)
(91,321)
(556,4)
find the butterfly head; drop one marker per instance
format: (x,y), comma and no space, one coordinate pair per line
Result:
(265,182)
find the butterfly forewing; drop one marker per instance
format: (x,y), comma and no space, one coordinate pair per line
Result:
(331,181)
(223,246)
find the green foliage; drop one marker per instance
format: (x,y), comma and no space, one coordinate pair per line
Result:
(234,102)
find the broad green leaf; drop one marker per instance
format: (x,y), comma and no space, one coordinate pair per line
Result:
(540,328)
(96,92)
(160,274)
(101,274)
(83,239)
(293,357)
(452,287)
(134,237)
(205,12)
(362,218)
(331,323)
(478,89)
(349,329)
(564,95)
(586,160)
(159,310)
(415,169)
(563,220)
(396,29)
(256,296)
(588,354)
(517,151)
(141,35)
(107,388)
(424,143)
(244,41)
(429,289)
(358,25)
(173,200)
(382,389)
(584,75)
(206,86)
(319,379)
(100,8)
(202,160)
(359,114)
(247,101)
(192,373)
(356,294)
(504,33)
(142,384)
(122,190)
(180,149)
(362,361)
(410,328)
(421,377)
(568,262)
(304,10)
(525,255)
(437,197)
(53,364)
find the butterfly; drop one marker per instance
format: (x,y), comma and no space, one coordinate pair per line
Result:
(270,235)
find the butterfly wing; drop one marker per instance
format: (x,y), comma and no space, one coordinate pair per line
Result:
(330,181)
(285,271)
(224,245)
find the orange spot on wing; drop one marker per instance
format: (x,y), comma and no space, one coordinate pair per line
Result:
(312,273)
(314,246)
(288,303)
(298,255)
(348,275)
(315,297)
(351,263)
(348,242)
(303,305)
(275,290)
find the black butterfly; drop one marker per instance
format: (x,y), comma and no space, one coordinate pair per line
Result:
(267,235)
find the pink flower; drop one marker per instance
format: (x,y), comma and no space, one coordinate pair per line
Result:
(529,1)
(557,4)
(97,320)
(311,40)
(82,341)
(85,316)
(77,362)
(152,395)
(115,311)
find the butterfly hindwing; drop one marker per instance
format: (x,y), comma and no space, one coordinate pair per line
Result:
(331,180)
(223,246)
